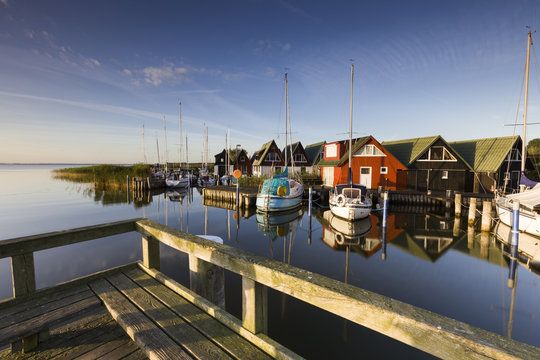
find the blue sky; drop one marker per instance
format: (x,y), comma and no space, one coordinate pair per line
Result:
(79,78)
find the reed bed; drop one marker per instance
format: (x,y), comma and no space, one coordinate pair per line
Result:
(103,176)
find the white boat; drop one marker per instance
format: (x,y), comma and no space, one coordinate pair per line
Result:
(280,193)
(350,201)
(176,180)
(529,196)
(528,245)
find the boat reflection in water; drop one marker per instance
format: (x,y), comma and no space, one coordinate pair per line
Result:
(177,195)
(528,249)
(338,232)
(279,224)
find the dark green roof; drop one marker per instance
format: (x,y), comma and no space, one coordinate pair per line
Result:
(264,149)
(408,150)
(356,145)
(313,150)
(485,155)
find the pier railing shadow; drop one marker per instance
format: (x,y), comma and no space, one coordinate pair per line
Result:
(422,329)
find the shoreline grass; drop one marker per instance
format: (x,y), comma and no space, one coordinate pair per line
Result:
(104,176)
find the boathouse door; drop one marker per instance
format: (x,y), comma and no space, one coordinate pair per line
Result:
(365,177)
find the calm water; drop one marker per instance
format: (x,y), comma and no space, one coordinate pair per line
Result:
(425,265)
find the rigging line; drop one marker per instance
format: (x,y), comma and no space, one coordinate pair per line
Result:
(514,133)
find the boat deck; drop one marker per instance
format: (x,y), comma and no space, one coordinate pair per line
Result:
(125,314)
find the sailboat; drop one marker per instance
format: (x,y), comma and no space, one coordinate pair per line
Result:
(280,192)
(529,196)
(205,178)
(177,179)
(350,201)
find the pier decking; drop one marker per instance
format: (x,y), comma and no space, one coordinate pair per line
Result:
(90,316)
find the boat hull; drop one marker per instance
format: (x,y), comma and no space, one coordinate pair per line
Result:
(180,183)
(273,203)
(529,222)
(351,211)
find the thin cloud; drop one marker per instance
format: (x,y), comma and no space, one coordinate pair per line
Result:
(157,75)
(5,2)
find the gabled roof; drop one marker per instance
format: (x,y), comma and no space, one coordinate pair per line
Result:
(313,150)
(287,151)
(408,150)
(262,151)
(356,145)
(485,155)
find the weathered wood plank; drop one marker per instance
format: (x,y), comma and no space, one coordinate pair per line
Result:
(103,349)
(151,339)
(34,325)
(36,307)
(233,343)
(126,348)
(26,244)
(254,306)
(263,342)
(150,250)
(422,329)
(51,291)
(207,280)
(23,274)
(190,339)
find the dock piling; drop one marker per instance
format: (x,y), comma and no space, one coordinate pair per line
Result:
(472,210)
(458,205)
(486,216)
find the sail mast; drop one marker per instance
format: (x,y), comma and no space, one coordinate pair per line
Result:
(524,144)
(286,115)
(180,129)
(349,174)
(165,136)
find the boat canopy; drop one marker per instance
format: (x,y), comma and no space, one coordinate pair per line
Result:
(529,198)
(270,186)
(340,188)
(524,180)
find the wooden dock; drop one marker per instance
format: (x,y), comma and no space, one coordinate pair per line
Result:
(135,311)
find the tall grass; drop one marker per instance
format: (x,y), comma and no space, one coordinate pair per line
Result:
(103,176)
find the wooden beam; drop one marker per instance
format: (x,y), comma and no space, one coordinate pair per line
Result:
(150,250)
(23,274)
(254,306)
(207,280)
(422,329)
(26,244)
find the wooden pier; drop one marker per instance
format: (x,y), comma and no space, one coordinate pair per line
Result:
(161,319)
(227,194)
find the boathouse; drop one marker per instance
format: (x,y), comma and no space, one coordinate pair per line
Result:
(237,159)
(299,161)
(372,164)
(315,153)
(496,162)
(432,164)
(268,160)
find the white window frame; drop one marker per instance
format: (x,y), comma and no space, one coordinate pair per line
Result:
(445,150)
(384,169)
(444,174)
(369,150)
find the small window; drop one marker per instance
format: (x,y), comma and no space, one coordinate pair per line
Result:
(445,174)
(242,158)
(384,170)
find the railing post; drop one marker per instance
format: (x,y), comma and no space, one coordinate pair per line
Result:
(150,249)
(207,280)
(24,283)
(254,306)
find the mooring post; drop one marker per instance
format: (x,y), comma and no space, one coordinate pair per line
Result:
(310,200)
(127,181)
(458,205)
(486,216)
(484,245)
(237,193)
(470,237)
(472,210)
(457,224)
(385,209)
(515,224)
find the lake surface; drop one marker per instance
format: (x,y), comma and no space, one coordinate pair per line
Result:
(423,262)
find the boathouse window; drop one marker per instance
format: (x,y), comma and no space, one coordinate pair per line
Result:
(437,153)
(272,156)
(445,174)
(331,150)
(369,150)
(299,158)
(514,155)
(384,170)
(242,158)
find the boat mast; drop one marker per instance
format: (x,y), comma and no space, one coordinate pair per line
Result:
(165,135)
(180,129)
(286,115)
(524,144)
(157,146)
(349,174)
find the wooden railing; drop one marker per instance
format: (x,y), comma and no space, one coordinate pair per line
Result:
(422,329)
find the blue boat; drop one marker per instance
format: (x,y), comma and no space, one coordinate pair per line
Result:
(279,193)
